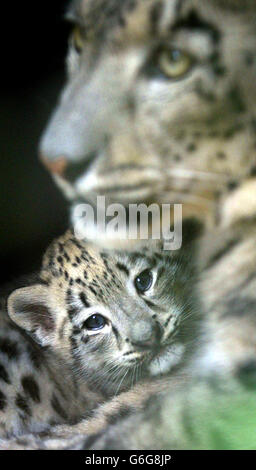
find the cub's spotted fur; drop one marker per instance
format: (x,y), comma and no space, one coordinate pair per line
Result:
(101,319)
(38,385)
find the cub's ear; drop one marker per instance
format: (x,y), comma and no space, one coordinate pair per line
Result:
(28,308)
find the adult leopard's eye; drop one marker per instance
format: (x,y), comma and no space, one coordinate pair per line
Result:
(95,322)
(144,281)
(78,39)
(174,63)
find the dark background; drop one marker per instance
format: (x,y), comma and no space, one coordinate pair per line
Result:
(32,210)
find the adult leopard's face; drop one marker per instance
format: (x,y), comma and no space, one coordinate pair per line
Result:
(160,102)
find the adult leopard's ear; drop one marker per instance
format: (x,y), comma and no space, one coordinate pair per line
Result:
(28,308)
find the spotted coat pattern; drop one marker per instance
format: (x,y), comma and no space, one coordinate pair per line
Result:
(190,141)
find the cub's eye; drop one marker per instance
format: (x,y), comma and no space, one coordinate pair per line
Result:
(95,322)
(174,63)
(144,281)
(78,39)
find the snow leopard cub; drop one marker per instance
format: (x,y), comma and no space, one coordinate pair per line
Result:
(98,320)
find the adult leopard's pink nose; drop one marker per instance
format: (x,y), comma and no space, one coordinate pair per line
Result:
(56,167)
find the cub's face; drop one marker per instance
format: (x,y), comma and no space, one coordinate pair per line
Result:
(116,316)
(160,102)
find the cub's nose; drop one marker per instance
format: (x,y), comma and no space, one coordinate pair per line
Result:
(145,334)
(57,167)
